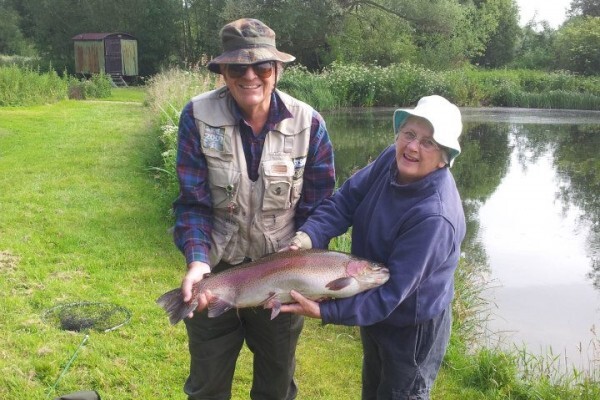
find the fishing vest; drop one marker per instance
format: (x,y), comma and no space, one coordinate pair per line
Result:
(251,219)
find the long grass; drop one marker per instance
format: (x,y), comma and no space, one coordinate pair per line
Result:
(82,218)
(343,85)
(20,86)
(25,86)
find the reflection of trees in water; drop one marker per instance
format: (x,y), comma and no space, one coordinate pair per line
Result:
(478,171)
(578,166)
(574,150)
(358,137)
(484,160)
(533,142)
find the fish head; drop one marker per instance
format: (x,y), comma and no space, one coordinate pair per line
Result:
(368,274)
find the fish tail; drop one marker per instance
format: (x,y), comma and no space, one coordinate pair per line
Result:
(172,302)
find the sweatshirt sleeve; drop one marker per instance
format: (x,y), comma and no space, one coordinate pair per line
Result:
(419,254)
(334,216)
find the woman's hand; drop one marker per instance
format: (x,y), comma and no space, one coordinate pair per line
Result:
(303,306)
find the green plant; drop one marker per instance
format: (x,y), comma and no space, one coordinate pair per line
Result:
(24,86)
(98,86)
(84,220)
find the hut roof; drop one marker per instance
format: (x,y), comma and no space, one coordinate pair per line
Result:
(99,36)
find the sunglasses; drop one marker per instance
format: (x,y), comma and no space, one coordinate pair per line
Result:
(263,69)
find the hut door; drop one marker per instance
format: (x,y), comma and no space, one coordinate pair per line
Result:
(113,55)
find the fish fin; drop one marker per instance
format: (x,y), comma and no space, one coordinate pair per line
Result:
(275,309)
(172,302)
(273,303)
(339,284)
(218,306)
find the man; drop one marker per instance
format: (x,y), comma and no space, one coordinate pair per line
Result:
(252,163)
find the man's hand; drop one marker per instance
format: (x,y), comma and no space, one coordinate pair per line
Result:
(303,306)
(195,273)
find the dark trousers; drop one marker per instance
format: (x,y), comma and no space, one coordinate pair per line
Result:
(401,363)
(215,344)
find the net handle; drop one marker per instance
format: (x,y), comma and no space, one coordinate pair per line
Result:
(65,369)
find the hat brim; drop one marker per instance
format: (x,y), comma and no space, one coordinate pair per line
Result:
(249,56)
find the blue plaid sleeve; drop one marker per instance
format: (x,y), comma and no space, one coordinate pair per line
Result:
(193,206)
(319,172)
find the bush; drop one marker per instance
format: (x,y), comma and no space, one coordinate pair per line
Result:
(308,87)
(19,61)
(98,86)
(167,94)
(577,45)
(25,87)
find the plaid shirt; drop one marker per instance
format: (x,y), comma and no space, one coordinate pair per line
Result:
(193,206)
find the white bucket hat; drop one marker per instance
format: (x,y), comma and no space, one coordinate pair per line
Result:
(444,117)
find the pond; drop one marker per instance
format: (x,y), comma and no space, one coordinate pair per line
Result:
(530,183)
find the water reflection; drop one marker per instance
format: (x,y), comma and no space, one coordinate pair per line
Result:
(530,181)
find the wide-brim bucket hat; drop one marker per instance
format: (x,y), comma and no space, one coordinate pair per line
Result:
(444,117)
(247,41)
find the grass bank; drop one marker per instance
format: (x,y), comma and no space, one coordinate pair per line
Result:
(26,86)
(342,85)
(85,218)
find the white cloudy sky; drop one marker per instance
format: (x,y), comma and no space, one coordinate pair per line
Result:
(553,11)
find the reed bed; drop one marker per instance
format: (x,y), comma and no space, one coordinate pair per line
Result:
(23,86)
(342,85)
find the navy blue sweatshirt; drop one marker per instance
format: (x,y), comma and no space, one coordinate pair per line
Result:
(415,230)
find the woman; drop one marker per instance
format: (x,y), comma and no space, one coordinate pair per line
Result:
(406,213)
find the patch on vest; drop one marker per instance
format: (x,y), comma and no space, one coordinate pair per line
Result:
(299,164)
(213,138)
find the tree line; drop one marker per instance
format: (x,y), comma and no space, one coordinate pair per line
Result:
(439,34)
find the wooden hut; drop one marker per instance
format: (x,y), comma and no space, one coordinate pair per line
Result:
(114,54)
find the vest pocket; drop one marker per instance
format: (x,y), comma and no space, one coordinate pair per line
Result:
(280,236)
(223,186)
(278,186)
(277,195)
(223,237)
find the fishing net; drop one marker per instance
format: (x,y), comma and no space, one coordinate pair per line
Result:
(84,316)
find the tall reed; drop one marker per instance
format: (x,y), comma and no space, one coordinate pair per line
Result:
(348,85)
(167,94)
(24,86)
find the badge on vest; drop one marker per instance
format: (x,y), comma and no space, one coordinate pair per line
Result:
(299,164)
(213,138)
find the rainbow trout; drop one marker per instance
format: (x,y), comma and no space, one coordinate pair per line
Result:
(316,274)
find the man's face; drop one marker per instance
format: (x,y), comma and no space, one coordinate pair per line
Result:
(251,85)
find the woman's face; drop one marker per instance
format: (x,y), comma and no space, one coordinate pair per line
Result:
(251,86)
(417,154)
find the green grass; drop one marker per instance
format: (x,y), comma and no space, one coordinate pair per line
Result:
(83,220)
(135,94)
(84,217)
